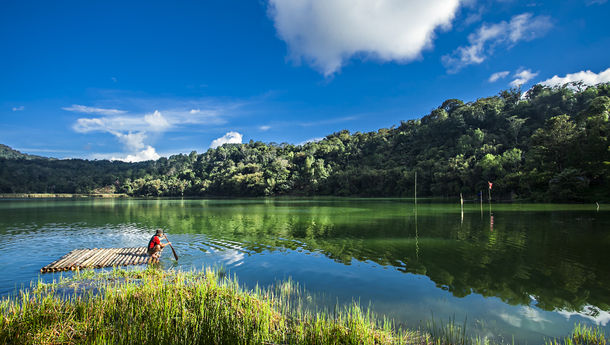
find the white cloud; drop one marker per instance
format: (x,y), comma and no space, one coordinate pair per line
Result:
(586,77)
(312,140)
(229,138)
(532,314)
(522,27)
(156,121)
(149,153)
(596,315)
(137,131)
(264,128)
(19,108)
(328,33)
(522,77)
(129,130)
(596,2)
(91,110)
(498,75)
(132,141)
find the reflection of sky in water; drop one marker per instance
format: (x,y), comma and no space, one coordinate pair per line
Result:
(317,256)
(597,316)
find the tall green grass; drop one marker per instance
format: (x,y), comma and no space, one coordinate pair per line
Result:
(582,335)
(200,307)
(159,307)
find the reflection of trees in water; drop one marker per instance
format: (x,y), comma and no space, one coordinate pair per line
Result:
(559,258)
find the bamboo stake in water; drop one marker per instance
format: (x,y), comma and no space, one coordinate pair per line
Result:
(481,197)
(462,208)
(415,191)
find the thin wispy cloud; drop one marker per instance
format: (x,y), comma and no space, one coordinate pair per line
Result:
(93,110)
(19,108)
(498,75)
(326,34)
(154,122)
(522,77)
(264,128)
(484,41)
(586,77)
(229,138)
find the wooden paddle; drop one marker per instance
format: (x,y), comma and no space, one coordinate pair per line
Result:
(172,247)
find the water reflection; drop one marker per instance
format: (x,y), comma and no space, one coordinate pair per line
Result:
(550,262)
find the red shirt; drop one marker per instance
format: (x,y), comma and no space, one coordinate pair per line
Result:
(154,241)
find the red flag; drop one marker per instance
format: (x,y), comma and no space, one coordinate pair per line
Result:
(490,184)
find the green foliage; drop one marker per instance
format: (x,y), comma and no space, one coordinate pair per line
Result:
(551,144)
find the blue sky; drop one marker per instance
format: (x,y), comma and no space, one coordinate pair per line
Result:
(137,80)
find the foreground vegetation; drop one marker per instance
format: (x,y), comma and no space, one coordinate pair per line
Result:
(154,306)
(549,144)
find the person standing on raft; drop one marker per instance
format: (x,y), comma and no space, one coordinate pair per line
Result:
(155,246)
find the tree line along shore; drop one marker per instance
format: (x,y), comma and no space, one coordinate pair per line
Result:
(549,144)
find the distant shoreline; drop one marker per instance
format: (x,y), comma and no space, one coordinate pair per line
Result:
(59,195)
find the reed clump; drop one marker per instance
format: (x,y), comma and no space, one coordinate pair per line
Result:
(160,307)
(582,335)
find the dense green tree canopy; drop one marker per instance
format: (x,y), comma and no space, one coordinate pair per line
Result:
(549,144)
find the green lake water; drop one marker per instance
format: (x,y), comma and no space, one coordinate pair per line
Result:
(528,271)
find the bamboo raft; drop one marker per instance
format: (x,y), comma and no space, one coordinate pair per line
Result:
(98,258)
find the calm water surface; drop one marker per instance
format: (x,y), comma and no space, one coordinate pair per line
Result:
(532,271)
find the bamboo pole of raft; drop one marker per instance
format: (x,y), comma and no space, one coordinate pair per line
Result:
(49,267)
(144,258)
(92,258)
(62,266)
(115,257)
(96,263)
(130,256)
(44,269)
(62,263)
(127,258)
(113,260)
(68,264)
(109,254)
(100,262)
(91,261)
(76,263)
(108,258)
(122,256)
(140,255)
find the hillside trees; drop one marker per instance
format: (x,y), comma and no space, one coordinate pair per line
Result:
(549,144)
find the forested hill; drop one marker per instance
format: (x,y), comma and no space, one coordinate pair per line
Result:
(9,153)
(551,144)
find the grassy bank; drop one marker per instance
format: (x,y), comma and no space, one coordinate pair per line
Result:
(154,306)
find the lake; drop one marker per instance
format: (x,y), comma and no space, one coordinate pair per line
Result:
(528,270)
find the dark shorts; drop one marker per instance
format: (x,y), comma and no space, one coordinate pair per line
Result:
(155,251)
